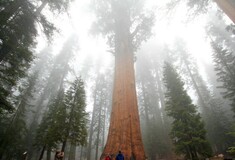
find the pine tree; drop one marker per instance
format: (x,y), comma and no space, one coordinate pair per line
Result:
(13,138)
(188,133)
(18,31)
(55,80)
(225,68)
(74,127)
(48,134)
(224,60)
(153,125)
(102,102)
(210,107)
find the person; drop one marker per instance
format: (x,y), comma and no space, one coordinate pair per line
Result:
(108,157)
(59,155)
(120,156)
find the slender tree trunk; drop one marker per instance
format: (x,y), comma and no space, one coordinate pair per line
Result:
(201,99)
(40,8)
(165,119)
(81,155)
(146,108)
(72,152)
(98,133)
(42,152)
(91,129)
(228,6)
(103,133)
(48,154)
(63,146)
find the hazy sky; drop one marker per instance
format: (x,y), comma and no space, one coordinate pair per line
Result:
(80,17)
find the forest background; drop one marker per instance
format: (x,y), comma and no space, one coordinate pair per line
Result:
(50,54)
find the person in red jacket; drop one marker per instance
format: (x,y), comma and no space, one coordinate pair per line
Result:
(108,157)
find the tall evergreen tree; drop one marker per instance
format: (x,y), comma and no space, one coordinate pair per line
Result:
(12,141)
(210,107)
(225,68)
(153,124)
(188,131)
(65,121)
(58,73)
(48,132)
(18,31)
(100,112)
(74,127)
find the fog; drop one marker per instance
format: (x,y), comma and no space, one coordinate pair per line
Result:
(85,79)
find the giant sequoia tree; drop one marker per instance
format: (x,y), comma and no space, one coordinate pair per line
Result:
(188,131)
(126,26)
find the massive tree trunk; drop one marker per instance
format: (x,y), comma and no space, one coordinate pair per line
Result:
(124,131)
(228,6)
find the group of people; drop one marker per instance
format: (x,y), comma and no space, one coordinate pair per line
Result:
(59,155)
(119,156)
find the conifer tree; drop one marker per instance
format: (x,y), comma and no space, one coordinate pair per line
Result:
(188,133)
(74,127)
(12,141)
(18,32)
(48,132)
(126,25)
(99,119)
(225,68)
(153,120)
(210,106)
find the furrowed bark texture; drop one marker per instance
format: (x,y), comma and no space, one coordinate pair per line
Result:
(124,132)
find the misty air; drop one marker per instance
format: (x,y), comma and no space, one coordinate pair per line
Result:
(117,79)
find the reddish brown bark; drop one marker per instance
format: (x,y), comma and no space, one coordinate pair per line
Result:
(228,6)
(124,132)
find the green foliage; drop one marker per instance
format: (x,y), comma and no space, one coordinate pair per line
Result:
(199,6)
(154,122)
(65,120)
(15,129)
(188,133)
(225,68)
(75,125)
(196,6)
(59,5)
(49,131)
(18,31)
(210,106)
(231,149)
(123,20)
